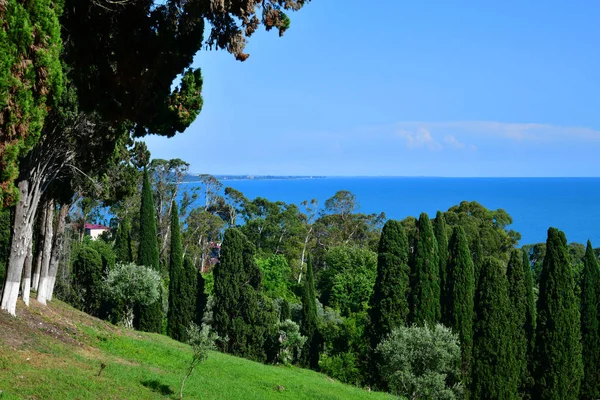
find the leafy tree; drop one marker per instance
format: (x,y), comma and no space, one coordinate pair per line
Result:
(309,325)
(132,285)
(276,277)
(517,293)
(389,302)
(347,281)
(289,342)
(558,364)
(441,235)
(590,326)
(150,315)
(425,280)
(241,317)
(494,374)
(460,289)
(285,312)
(87,279)
(202,341)
(123,246)
(422,362)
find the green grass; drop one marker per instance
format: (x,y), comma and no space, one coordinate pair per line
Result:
(55,352)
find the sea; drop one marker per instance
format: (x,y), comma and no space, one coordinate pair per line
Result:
(535,204)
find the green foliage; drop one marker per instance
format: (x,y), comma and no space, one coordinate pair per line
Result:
(422,362)
(425,280)
(201,296)
(441,235)
(132,285)
(494,373)
(276,277)
(182,285)
(460,290)
(202,341)
(389,303)
(123,246)
(4,240)
(347,281)
(558,364)
(590,326)
(87,280)
(309,324)
(289,342)
(150,316)
(285,311)
(241,316)
(530,312)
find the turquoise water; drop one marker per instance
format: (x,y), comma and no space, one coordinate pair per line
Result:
(535,204)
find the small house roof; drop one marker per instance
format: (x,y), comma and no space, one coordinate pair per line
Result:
(96,226)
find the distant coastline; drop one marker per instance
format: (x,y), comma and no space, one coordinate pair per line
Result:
(195,177)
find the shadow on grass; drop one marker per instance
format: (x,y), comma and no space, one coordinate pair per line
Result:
(158,387)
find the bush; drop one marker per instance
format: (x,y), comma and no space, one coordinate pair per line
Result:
(87,280)
(422,363)
(289,342)
(132,285)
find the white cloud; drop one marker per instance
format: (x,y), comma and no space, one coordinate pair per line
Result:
(421,138)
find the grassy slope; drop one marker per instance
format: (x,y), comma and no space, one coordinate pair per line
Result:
(55,352)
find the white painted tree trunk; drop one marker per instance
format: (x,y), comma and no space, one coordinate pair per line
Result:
(57,247)
(26,282)
(47,250)
(22,231)
(40,245)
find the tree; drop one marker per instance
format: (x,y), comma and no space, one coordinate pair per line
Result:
(289,342)
(202,341)
(309,325)
(276,277)
(123,246)
(422,362)
(201,297)
(441,235)
(389,302)
(425,280)
(517,293)
(151,315)
(181,293)
(460,290)
(590,326)
(241,317)
(494,375)
(530,316)
(557,354)
(87,280)
(132,285)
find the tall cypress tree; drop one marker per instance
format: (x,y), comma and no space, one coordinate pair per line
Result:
(441,235)
(517,293)
(241,317)
(150,317)
(180,313)
(530,311)
(557,355)
(478,259)
(494,375)
(425,298)
(123,249)
(461,296)
(590,327)
(309,323)
(201,297)
(389,302)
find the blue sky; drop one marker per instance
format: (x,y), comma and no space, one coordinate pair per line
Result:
(405,88)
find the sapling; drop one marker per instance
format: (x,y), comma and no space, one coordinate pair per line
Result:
(202,341)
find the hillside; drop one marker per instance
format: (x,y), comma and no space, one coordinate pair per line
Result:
(55,352)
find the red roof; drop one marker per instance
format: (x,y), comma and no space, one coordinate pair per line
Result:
(96,226)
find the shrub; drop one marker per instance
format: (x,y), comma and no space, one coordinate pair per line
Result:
(289,342)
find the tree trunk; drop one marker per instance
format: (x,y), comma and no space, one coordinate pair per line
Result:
(43,287)
(26,282)
(40,245)
(25,211)
(304,253)
(57,247)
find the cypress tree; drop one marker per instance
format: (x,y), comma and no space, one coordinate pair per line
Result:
(478,259)
(201,297)
(460,295)
(123,249)
(241,316)
(558,367)
(285,312)
(530,311)
(180,313)
(389,302)
(590,329)
(494,375)
(425,298)
(441,235)
(150,317)
(309,323)
(517,293)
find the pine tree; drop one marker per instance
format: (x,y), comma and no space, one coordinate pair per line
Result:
(441,235)
(461,296)
(241,317)
(201,297)
(517,293)
(150,317)
(558,366)
(389,302)
(309,323)
(425,298)
(123,249)
(180,313)
(590,327)
(494,375)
